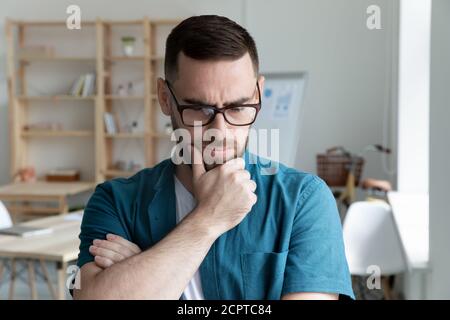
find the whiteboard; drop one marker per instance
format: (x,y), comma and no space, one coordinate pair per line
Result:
(281,108)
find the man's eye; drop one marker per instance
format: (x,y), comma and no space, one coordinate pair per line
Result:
(237,109)
(207,111)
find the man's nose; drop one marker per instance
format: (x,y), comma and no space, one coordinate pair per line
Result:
(219,123)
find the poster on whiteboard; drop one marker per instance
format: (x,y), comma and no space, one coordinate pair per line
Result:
(276,131)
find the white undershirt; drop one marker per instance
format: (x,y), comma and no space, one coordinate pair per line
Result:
(185,204)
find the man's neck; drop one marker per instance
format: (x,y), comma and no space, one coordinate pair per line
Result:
(184,174)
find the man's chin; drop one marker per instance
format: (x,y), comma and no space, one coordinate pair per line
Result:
(220,159)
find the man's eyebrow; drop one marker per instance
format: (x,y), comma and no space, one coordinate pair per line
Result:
(235,102)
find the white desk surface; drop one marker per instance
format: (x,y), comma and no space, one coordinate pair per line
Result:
(61,245)
(411,216)
(44,188)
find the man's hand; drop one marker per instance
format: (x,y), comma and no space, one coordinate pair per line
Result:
(112,250)
(224,194)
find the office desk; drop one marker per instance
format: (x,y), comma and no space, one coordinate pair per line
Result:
(61,247)
(411,215)
(19,196)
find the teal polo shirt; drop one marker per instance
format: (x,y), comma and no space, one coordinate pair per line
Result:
(291,240)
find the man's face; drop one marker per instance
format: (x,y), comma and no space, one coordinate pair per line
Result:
(218,83)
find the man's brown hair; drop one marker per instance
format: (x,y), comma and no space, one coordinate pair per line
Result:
(208,37)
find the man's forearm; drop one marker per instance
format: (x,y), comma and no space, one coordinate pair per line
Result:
(161,272)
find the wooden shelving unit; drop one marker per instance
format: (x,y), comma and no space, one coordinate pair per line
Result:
(103,62)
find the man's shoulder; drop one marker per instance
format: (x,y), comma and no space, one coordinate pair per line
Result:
(290,179)
(142,180)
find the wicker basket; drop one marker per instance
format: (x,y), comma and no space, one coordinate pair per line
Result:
(333,166)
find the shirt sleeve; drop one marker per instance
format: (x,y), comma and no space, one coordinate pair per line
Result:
(316,260)
(100,218)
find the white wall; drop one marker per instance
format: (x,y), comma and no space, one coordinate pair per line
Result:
(413,95)
(440,151)
(351,69)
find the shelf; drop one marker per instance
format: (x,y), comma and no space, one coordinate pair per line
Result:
(159,22)
(125,58)
(123,22)
(60,58)
(56,133)
(116,97)
(75,98)
(125,135)
(161,135)
(54,98)
(62,23)
(49,23)
(133,58)
(118,173)
(156,22)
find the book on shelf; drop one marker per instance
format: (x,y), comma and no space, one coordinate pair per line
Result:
(110,123)
(77,86)
(84,85)
(88,85)
(63,175)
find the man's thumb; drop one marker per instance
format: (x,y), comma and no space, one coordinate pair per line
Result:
(198,168)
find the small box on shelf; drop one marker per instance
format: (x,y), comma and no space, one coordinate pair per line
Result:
(63,175)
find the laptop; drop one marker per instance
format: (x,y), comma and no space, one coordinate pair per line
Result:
(25,231)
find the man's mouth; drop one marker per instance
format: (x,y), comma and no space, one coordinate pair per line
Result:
(219,152)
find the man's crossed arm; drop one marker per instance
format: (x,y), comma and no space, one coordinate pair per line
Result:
(116,249)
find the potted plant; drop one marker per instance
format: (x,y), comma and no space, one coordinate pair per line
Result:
(128,45)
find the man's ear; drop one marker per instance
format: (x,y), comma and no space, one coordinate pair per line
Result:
(261,81)
(164,97)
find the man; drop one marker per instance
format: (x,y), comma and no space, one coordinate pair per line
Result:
(212,229)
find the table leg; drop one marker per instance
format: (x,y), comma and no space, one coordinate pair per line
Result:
(387,288)
(47,279)
(2,265)
(63,207)
(61,271)
(32,280)
(12,279)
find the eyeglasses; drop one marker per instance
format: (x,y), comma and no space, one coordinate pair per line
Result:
(234,114)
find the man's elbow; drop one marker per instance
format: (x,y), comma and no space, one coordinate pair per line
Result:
(86,293)
(85,286)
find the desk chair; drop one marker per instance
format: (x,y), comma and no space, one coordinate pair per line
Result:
(5,218)
(371,239)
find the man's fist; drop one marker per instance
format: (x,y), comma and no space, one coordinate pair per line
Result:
(112,250)
(224,194)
